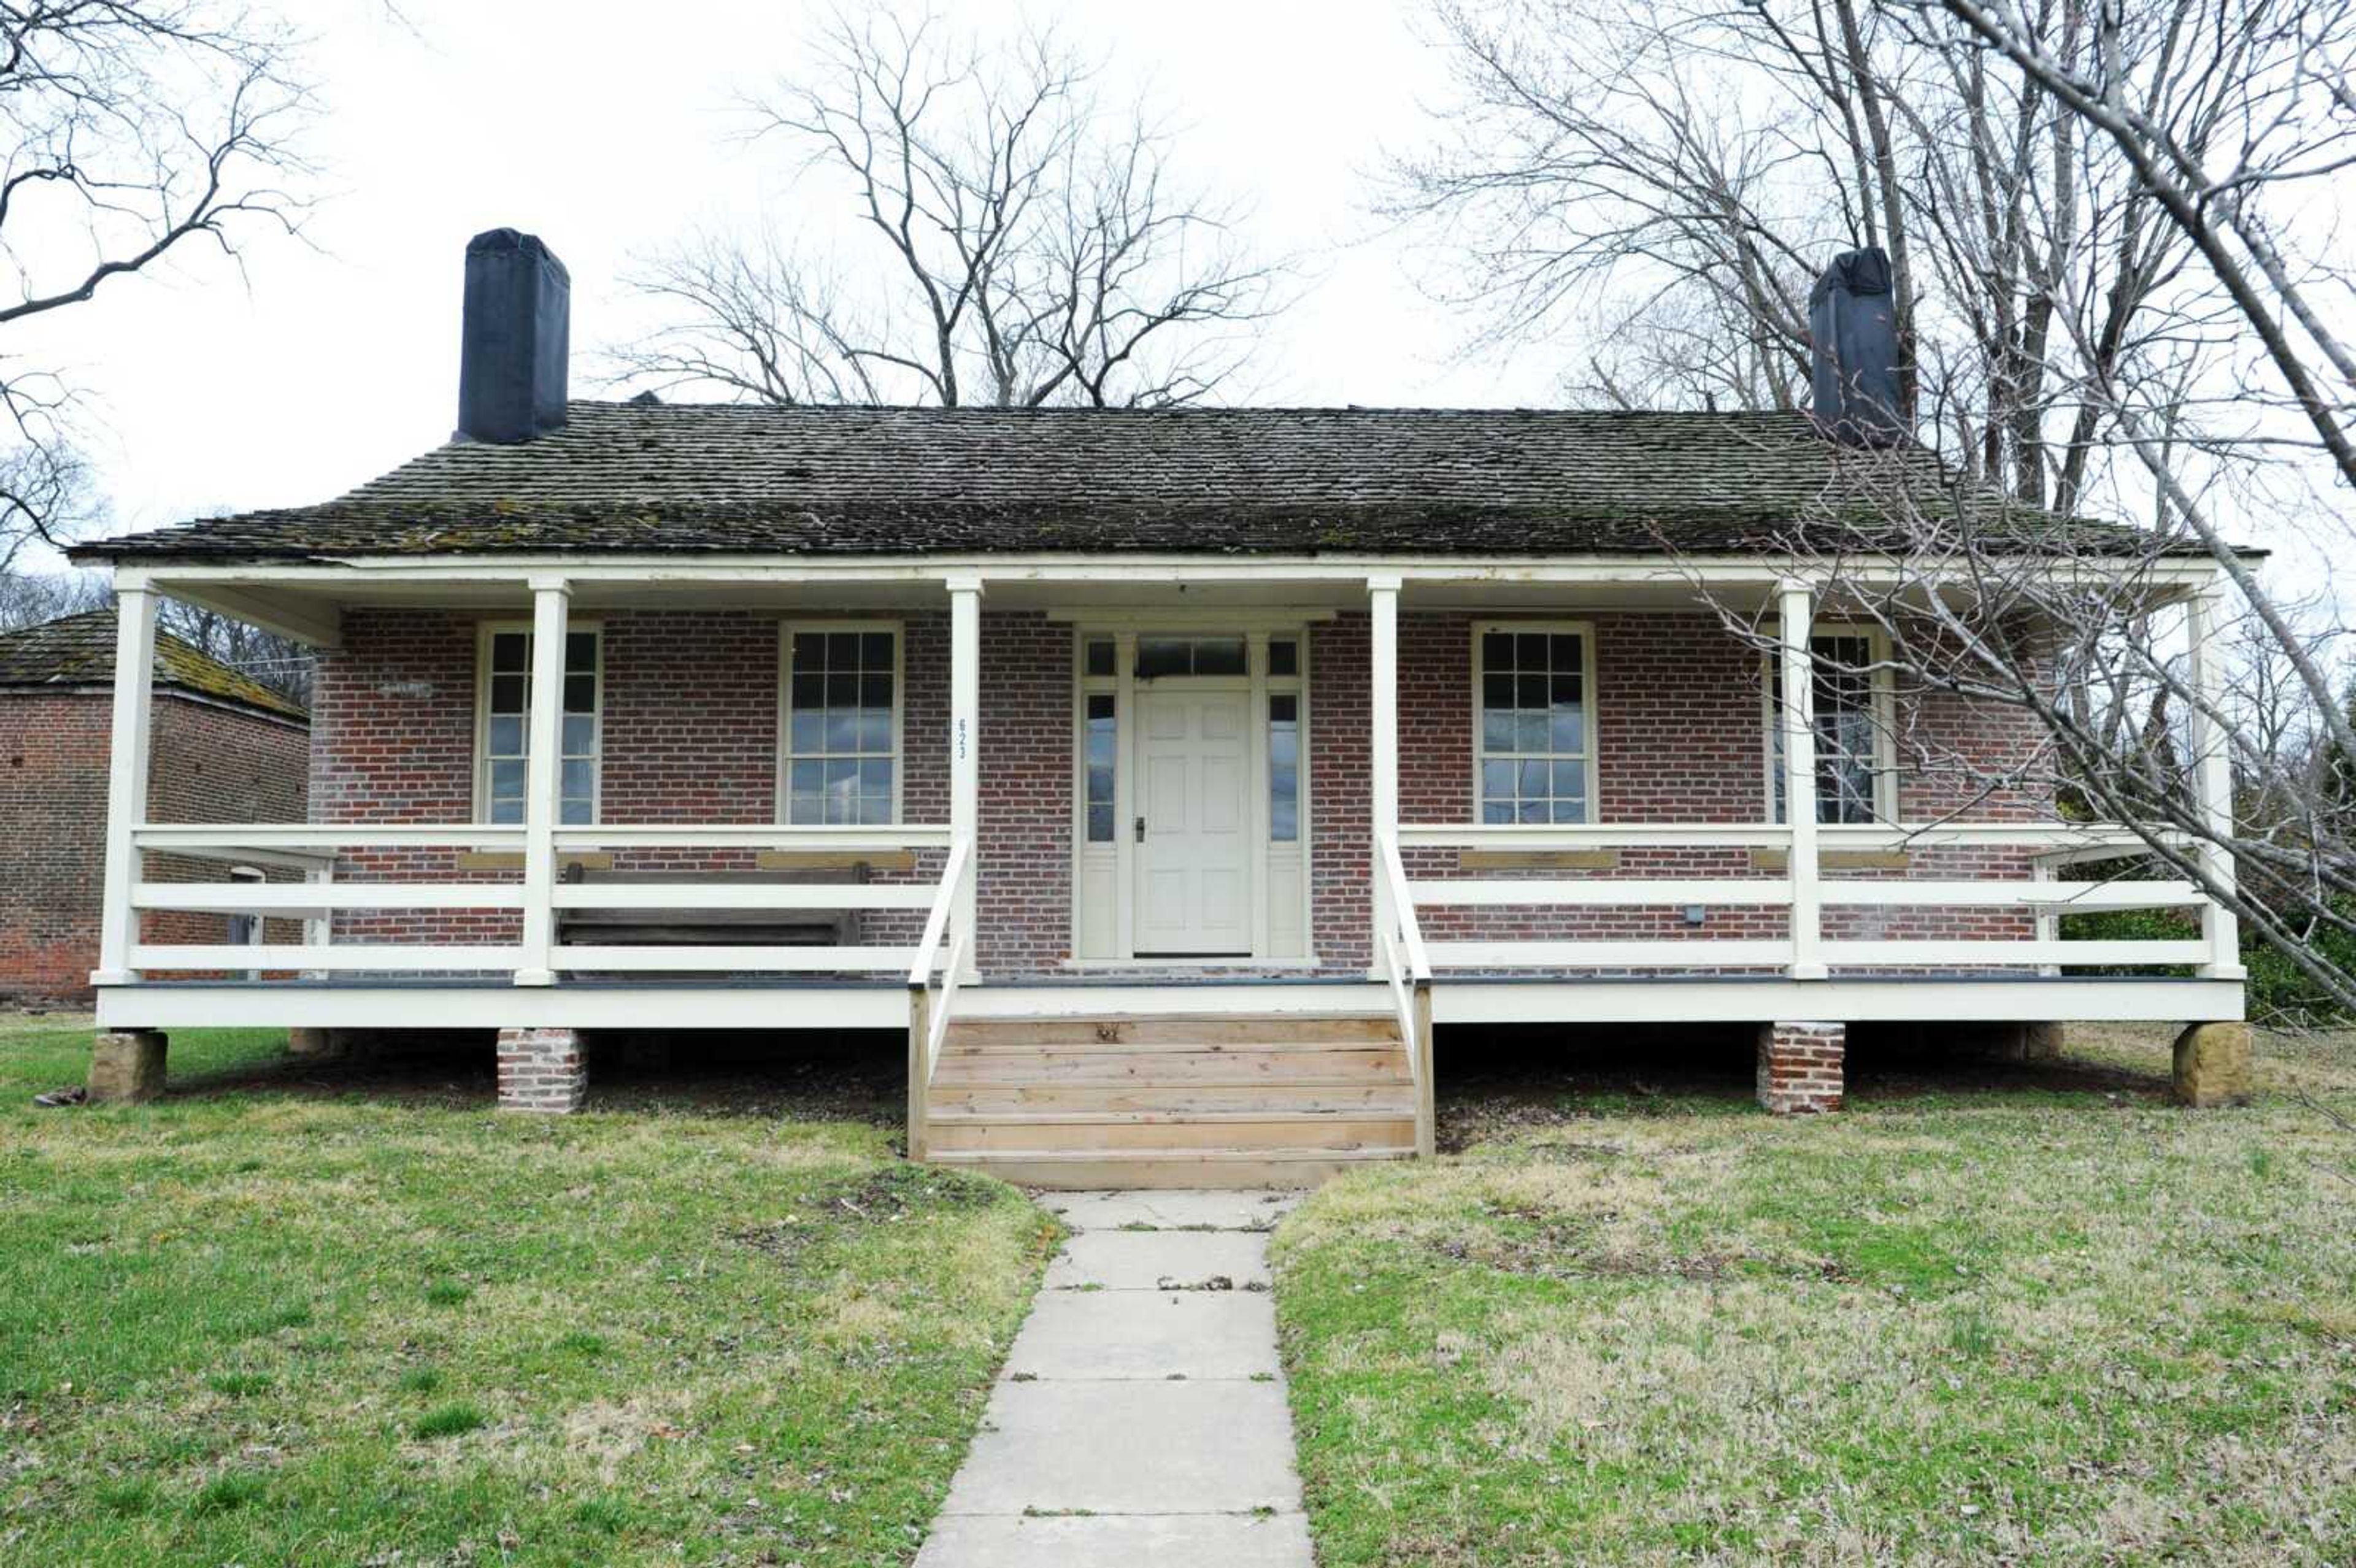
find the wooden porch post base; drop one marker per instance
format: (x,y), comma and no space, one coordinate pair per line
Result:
(2213,1065)
(543,1070)
(127,1066)
(1800,1066)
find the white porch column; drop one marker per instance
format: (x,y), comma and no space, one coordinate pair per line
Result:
(551,602)
(1796,615)
(965,754)
(2212,786)
(1382,740)
(126,783)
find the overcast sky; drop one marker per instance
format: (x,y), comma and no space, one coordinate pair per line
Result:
(604,127)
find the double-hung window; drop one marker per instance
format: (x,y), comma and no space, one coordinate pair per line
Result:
(1855,767)
(842,724)
(1535,746)
(503,732)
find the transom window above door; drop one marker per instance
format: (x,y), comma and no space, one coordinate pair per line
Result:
(1159,657)
(843,725)
(1534,749)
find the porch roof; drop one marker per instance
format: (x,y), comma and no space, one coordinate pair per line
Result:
(641,478)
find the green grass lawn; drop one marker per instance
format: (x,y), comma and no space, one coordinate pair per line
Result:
(2030,1318)
(271,1321)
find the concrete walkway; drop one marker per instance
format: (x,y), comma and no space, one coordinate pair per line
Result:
(1141,1418)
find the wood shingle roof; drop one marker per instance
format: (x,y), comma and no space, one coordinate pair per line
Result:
(641,477)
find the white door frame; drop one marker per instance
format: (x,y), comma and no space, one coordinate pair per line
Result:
(1123,631)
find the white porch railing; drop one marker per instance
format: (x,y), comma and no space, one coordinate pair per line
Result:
(1408,967)
(930,1003)
(2049,845)
(313,850)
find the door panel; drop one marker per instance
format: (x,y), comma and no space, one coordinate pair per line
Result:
(1194,866)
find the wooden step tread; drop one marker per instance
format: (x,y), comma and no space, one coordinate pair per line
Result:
(1278,1156)
(1157,1118)
(956,1047)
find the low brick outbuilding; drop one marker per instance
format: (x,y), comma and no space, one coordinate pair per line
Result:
(225,748)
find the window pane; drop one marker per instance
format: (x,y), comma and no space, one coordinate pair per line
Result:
(1569,727)
(807,731)
(580,653)
(1530,651)
(1219,656)
(875,650)
(508,651)
(580,694)
(809,652)
(505,735)
(578,774)
(841,651)
(580,734)
(875,690)
(1496,651)
(810,689)
(507,809)
(1100,824)
(1284,657)
(576,810)
(875,731)
(1565,653)
(506,694)
(1496,728)
(1283,768)
(1158,657)
(1497,691)
(507,779)
(1099,659)
(1497,811)
(1496,780)
(841,687)
(842,729)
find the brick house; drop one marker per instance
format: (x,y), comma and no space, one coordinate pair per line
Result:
(1165,774)
(223,749)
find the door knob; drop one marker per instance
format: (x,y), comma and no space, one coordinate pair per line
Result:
(1140,830)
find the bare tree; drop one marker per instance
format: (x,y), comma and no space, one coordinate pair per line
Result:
(27,599)
(1023,243)
(2112,299)
(134,129)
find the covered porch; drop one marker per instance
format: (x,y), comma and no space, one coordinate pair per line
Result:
(1113,788)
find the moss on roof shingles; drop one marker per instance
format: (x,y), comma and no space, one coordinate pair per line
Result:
(78,651)
(897,481)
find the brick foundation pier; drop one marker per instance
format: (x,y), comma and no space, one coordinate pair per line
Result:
(543,1070)
(1800,1066)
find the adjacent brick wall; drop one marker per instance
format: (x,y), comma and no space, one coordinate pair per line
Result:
(207,763)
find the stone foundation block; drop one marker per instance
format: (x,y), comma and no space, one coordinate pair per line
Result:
(2031,1045)
(543,1070)
(1800,1066)
(127,1066)
(2213,1065)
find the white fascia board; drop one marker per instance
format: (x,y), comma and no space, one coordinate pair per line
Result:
(1063,568)
(1897,999)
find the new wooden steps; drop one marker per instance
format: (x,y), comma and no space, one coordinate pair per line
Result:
(1170,1099)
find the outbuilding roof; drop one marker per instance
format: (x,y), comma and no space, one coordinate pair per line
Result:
(77,652)
(644,476)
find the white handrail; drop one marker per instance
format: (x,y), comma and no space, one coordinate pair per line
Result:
(928,1015)
(1407,964)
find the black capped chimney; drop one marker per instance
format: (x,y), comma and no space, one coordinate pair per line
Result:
(1852,316)
(516,341)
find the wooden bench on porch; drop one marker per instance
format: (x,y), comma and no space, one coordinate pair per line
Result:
(634,927)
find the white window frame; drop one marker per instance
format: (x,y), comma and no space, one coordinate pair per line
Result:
(786,631)
(1882,695)
(484,632)
(1585,631)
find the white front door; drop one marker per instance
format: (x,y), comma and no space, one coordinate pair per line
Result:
(1194,881)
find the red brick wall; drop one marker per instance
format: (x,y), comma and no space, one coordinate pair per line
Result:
(691,735)
(207,763)
(1681,734)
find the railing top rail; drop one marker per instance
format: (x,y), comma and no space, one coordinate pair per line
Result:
(2054,837)
(839,839)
